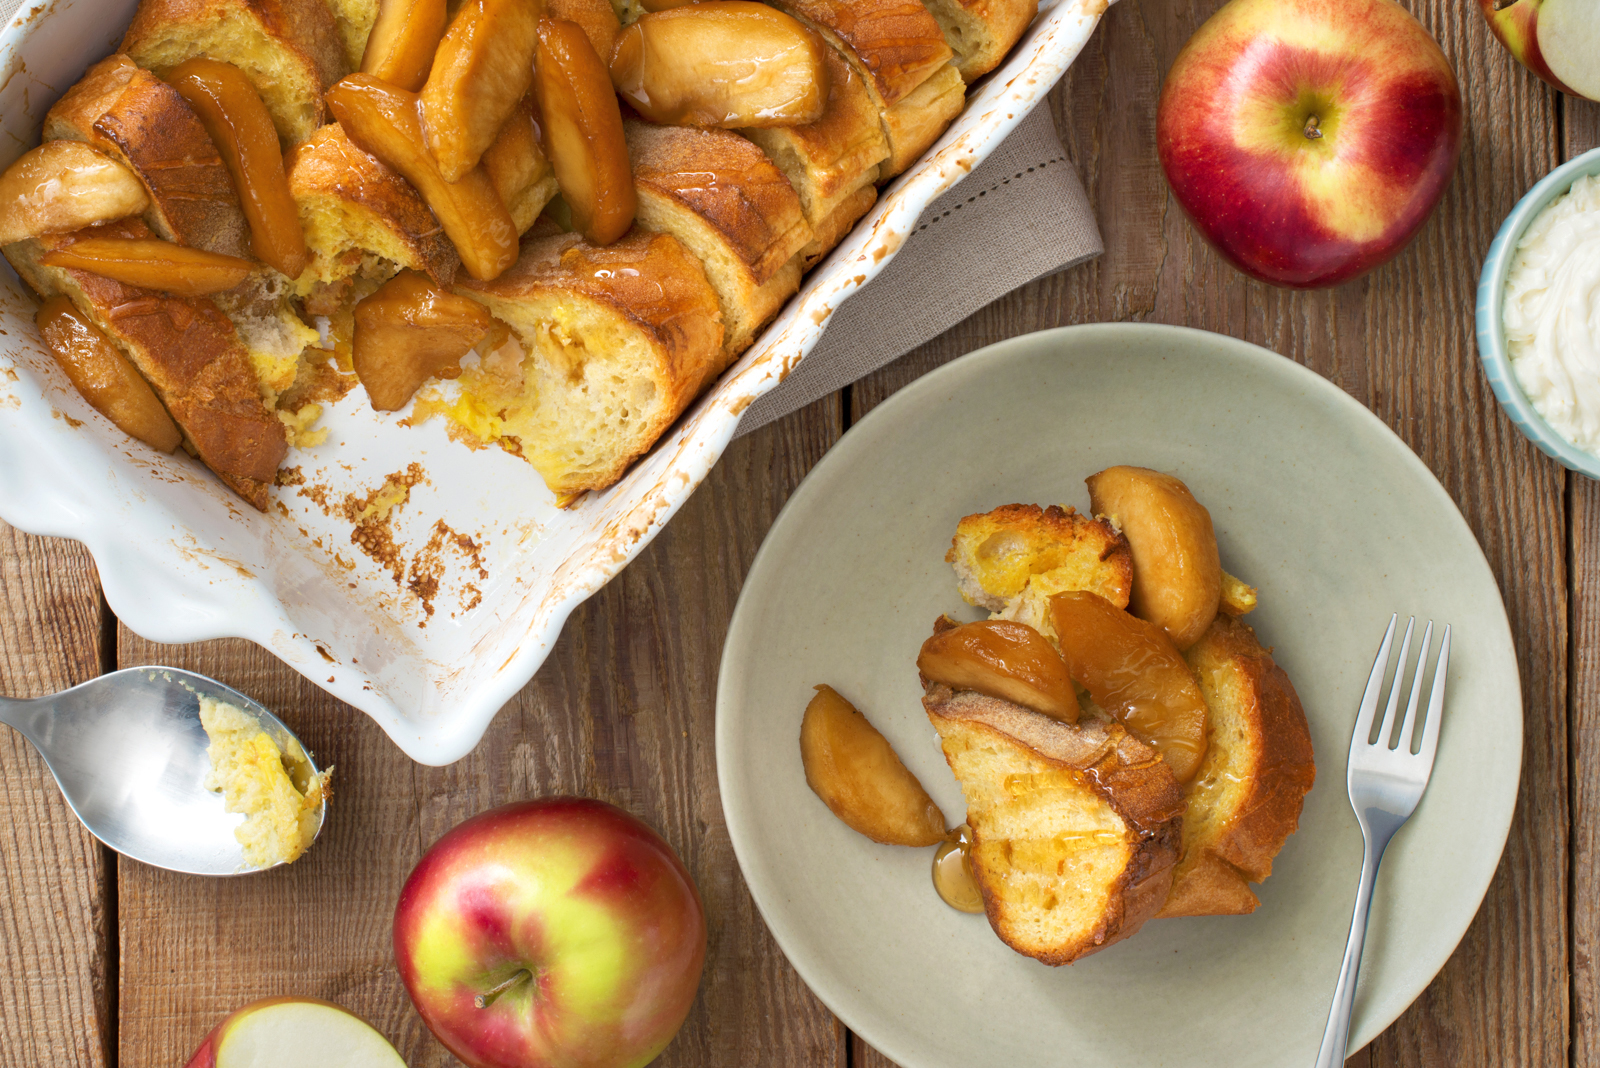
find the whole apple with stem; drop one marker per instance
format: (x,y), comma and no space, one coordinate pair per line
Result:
(558,933)
(1559,40)
(1309,140)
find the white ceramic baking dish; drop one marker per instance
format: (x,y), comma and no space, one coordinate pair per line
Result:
(182,560)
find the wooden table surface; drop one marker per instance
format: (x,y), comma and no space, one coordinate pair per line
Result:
(106,962)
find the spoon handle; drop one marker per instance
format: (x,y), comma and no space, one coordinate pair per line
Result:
(19,714)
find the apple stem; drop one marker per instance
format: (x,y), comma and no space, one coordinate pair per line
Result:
(485,999)
(1313,128)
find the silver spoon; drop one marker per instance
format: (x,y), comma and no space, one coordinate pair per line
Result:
(129,754)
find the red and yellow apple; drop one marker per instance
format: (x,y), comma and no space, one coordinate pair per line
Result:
(1308,140)
(294,1030)
(1559,40)
(558,932)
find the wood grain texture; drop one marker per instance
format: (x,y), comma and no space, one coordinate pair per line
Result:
(623,710)
(55,955)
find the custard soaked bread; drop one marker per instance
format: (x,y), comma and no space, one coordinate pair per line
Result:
(982,31)
(1075,828)
(1245,801)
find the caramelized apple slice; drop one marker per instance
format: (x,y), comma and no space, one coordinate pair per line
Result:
(63,186)
(105,377)
(597,17)
(1002,659)
(516,160)
(150,263)
(1133,671)
(583,132)
(232,112)
(403,40)
(857,774)
(483,67)
(1177,576)
(383,120)
(725,63)
(410,331)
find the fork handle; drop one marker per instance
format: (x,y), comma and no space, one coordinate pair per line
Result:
(1336,1036)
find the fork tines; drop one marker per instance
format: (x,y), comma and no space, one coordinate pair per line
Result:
(1384,729)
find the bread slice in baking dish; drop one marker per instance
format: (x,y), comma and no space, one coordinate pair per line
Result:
(982,31)
(187,349)
(1075,828)
(1244,802)
(610,345)
(725,201)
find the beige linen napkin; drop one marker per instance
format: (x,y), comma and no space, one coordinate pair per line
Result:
(1020,214)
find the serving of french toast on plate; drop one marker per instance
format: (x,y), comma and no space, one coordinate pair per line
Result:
(550,223)
(1126,747)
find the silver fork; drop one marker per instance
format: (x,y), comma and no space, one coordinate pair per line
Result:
(1386,781)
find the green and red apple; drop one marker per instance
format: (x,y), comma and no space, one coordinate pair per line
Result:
(1559,40)
(1309,140)
(294,1030)
(558,933)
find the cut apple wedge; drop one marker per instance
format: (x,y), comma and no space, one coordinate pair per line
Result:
(150,263)
(294,1030)
(404,38)
(855,771)
(1134,672)
(1177,574)
(233,114)
(104,376)
(582,127)
(63,186)
(1559,40)
(1002,659)
(383,120)
(730,63)
(483,68)
(409,331)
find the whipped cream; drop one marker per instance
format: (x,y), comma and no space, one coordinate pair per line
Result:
(1552,314)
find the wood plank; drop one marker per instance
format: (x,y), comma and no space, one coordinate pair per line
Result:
(623,710)
(1401,340)
(55,922)
(1581,123)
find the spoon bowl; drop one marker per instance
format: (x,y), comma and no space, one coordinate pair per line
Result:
(129,753)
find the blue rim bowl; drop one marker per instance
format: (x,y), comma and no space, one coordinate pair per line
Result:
(1491,327)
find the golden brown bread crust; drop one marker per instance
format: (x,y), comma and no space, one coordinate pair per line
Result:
(916,122)
(189,352)
(597,17)
(832,230)
(142,121)
(302,43)
(897,43)
(1245,801)
(329,166)
(1125,773)
(982,31)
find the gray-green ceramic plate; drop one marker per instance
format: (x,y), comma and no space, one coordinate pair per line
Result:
(1315,501)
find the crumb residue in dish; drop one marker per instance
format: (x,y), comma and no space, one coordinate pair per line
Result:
(275,789)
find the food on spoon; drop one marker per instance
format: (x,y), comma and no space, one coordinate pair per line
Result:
(1177,574)
(237,121)
(410,331)
(1245,801)
(152,264)
(404,37)
(63,186)
(1002,659)
(549,933)
(105,378)
(856,773)
(729,63)
(1556,39)
(142,122)
(272,785)
(1308,140)
(1133,672)
(291,50)
(481,72)
(582,127)
(384,121)
(518,168)
(1075,829)
(294,1030)
(1549,316)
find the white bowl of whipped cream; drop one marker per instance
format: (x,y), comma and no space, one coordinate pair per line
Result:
(1539,314)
